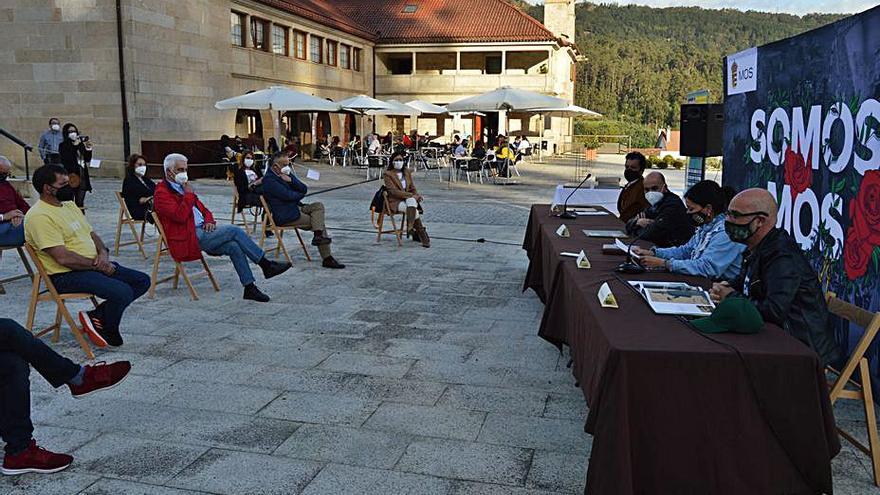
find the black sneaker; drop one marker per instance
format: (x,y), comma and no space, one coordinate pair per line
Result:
(269,233)
(93,328)
(273,269)
(112,336)
(330,262)
(251,292)
(321,240)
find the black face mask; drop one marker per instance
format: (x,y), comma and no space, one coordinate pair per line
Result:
(65,193)
(631,175)
(699,218)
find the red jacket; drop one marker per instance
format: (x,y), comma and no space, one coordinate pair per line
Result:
(176,214)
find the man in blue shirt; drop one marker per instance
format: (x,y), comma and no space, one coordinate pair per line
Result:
(49,141)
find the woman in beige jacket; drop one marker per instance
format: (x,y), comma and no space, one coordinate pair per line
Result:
(403,197)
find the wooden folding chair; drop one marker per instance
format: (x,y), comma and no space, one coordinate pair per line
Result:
(278,230)
(125,218)
(61,311)
(860,391)
(243,213)
(24,261)
(378,223)
(179,269)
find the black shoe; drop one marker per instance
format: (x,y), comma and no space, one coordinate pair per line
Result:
(252,293)
(272,268)
(112,336)
(321,240)
(330,262)
(269,233)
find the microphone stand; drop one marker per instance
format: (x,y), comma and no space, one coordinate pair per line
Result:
(631,265)
(565,213)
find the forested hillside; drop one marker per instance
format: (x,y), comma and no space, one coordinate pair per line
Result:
(642,61)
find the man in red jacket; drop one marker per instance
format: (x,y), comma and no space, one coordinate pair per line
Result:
(12,209)
(190,229)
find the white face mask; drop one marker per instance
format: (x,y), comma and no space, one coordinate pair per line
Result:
(140,170)
(653,197)
(248,162)
(286,170)
(72,136)
(55,127)
(398,165)
(181,178)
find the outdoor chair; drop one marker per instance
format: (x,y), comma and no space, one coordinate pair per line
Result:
(378,220)
(38,294)
(24,261)
(253,210)
(278,230)
(125,218)
(845,387)
(179,269)
(376,163)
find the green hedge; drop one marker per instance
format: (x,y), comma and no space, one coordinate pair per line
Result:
(643,136)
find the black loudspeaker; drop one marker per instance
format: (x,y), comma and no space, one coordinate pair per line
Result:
(702,129)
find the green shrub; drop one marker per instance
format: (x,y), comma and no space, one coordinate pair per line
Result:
(713,163)
(678,164)
(662,165)
(592,143)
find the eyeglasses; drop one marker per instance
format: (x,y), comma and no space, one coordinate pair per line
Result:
(736,214)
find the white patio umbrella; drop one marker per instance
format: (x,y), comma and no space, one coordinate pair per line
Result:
(506,98)
(427,107)
(399,109)
(568,111)
(361,104)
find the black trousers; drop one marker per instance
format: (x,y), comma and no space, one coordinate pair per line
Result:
(19,350)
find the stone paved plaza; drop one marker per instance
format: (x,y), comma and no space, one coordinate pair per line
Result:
(413,371)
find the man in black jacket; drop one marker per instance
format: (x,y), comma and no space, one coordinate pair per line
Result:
(666,222)
(776,275)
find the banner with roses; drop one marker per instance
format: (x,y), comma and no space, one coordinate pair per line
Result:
(810,134)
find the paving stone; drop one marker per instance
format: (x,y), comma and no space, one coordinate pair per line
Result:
(220,397)
(239,473)
(572,407)
(119,487)
(345,445)
(427,421)
(467,460)
(558,472)
(301,380)
(462,373)
(219,371)
(414,349)
(337,479)
(233,431)
(473,488)
(364,364)
(536,433)
(320,408)
(136,459)
(63,483)
(394,389)
(385,317)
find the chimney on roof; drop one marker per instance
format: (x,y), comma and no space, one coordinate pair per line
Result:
(559,18)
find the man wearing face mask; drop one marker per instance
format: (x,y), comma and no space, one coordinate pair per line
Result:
(76,258)
(776,275)
(666,221)
(49,141)
(190,229)
(284,193)
(631,201)
(709,253)
(12,209)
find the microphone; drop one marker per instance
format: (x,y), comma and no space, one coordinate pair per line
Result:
(565,213)
(631,265)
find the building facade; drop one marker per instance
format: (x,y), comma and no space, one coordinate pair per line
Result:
(62,58)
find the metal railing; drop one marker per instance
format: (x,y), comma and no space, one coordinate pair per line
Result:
(608,143)
(26,148)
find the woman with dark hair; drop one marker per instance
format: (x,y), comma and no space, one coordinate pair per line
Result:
(137,188)
(76,153)
(272,147)
(404,198)
(248,182)
(710,252)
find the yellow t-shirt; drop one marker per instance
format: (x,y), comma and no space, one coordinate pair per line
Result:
(47,226)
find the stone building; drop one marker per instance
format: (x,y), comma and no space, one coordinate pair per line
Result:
(177,58)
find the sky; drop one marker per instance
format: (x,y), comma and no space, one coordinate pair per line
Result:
(798,7)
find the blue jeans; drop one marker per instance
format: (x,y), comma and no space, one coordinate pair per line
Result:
(19,350)
(11,236)
(118,291)
(229,240)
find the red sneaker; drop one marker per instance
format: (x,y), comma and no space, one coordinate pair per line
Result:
(92,327)
(100,376)
(35,460)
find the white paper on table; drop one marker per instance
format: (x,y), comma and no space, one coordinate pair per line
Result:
(95,163)
(590,213)
(313,174)
(623,247)
(571,255)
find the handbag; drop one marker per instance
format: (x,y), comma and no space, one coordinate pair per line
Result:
(74,180)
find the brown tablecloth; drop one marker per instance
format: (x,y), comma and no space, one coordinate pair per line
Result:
(672,410)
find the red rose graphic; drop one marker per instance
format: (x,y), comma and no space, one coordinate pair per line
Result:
(856,254)
(864,209)
(798,174)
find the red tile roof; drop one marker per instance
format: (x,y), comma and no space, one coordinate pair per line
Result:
(325,12)
(444,21)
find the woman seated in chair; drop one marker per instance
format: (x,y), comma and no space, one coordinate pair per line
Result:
(248,183)
(137,189)
(403,197)
(503,157)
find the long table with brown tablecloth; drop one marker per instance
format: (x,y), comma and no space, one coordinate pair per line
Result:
(672,410)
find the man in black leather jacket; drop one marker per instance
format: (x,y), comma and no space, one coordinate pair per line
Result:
(666,222)
(776,275)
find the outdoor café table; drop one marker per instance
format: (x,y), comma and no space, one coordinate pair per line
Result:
(672,410)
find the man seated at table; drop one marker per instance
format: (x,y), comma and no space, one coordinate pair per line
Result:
(665,222)
(462,149)
(190,229)
(19,350)
(709,253)
(76,259)
(284,193)
(12,208)
(632,201)
(776,275)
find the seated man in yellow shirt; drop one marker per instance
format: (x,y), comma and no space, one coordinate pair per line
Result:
(76,259)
